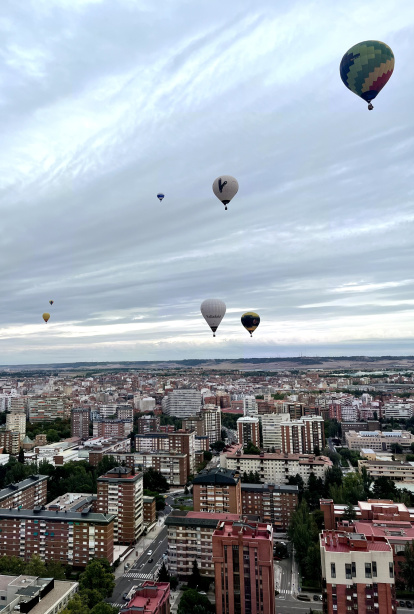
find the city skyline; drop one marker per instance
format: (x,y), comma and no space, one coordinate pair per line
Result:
(107,105)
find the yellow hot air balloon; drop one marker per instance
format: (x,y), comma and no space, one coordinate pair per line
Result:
(250,321)
(46,316)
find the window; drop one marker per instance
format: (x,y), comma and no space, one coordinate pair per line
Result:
(391,565)
(333,570)
(348,571)
(374,569)
(353,570)
(368,573)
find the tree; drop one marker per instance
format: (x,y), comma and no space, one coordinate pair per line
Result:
(412,447)
(98,575)
(407,566)
(36,567)
(384,488)
(375,414)
(218,446)
(76,606)
(297,480)
(208,456)
(154,480)
(104,608)
(163,575)
(396,448)
(55,570)
(52,436)
(192,602)
(194,580)
(349,513)
(317,451)
(21,456)
(251,449)
(223,434)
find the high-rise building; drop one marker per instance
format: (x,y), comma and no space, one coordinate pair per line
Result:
(16,421)
(272,503)
(182,403)
(248,431)
(19,404)
(47,409)
(120,492)
(211,415)
(357,573)
(171,465)
(302,436)
(105,427)
(80,422)
(183,442)
(147,424)
(146,404)
(250,406)
(217,490)
(69,538)
(243,568)
(272,430)
(196,424)
(26,494)
(10,441)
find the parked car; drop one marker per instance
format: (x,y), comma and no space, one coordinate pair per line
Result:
(402,604)
(409,605)
(125,595)
(150,560)
(149,552)
(316,597)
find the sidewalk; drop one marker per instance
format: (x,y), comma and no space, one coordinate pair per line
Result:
(140,547)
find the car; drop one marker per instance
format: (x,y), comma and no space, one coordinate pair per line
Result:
(127,565)
(202,593)
(149,552)
(150,560)
(409,605)
(316,597)
(402,604)
(125,595)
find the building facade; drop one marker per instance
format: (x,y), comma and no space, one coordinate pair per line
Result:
(26,494)
(79,424)
(182,403)
(47,409)
(272,503)
(248,430)
(120,492)
(243,568)
(16,421)
(379,441)
(149,598)
(217,490)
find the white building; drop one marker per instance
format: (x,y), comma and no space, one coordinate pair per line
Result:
(271,430)
(16,421)
(182,403)
(146,404)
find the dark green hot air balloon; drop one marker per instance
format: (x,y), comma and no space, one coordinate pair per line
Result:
(366,68)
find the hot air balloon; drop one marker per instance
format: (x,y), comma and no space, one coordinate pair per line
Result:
(225,188)
(51,302)
(213,311)
(160,197)
(366,68)
(250,321)
(46,317)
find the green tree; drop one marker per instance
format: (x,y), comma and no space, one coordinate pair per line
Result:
(396,448)
(349,513)
(407,566)
(163,575)
(313,564)
(55,570)
(36,567)
(218,446)
(52,436)
(384,488)
(91,596)
(76,606)
(208,456)
(155,481)
(251,449)
(98,575)
(193,603)
(21,456)
(104,608)
(106,464)
(194,580)
(297,480)
(317,451)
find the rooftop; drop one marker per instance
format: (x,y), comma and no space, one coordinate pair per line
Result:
(217,476)
(19,486)
(335,541)
(198,519)
(66,516)
(148,597)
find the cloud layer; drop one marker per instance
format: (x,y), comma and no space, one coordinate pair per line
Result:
(105,104)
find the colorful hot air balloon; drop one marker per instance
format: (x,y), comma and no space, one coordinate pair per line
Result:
(225,188)
(51,302)
(46,316)
(160,197)
(366,68)
(213,311)
(250,321)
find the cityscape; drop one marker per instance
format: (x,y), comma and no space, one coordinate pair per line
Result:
(206,316)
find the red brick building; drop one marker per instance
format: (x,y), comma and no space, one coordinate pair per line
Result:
(80,422)
(25,494)
(217,490)
(243,568)
(271,503)
(150,598)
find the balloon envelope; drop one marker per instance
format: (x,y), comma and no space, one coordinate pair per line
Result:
(51,302)
(225,188)
(250,321)
(213,311)
(46,316)
(366,68)
(160,197)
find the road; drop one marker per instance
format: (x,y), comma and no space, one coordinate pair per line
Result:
(141,569)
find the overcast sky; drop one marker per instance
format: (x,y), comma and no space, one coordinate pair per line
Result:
(105,103)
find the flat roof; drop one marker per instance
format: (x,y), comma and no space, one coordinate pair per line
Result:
(49,600)
(67,516)
(198,519)
(268,487)
(217,476)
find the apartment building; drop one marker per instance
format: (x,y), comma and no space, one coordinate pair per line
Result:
(149,598)
(398,409)
(69,538)
(47,409)
(100,446)
(171,465)
(272,503)
(25,494)
(19,404)
(79,425)
(303,435)
(120,492)
(211,415)
(10,441)
(25,594)
(16,421)
(104,427)
(399,471)
(217,490)
(358,574)
(181,442)
(182,403)
(379,441)
(196,424)
(272,430)
(190,537)
(149,512)
(248,430)
(147,424)
(277,468)
(243,568)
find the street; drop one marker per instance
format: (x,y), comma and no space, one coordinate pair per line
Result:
(140,569)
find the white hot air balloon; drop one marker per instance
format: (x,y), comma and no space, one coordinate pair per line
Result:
(213,311)
(225,188)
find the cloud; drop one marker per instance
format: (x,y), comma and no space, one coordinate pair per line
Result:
(104,104)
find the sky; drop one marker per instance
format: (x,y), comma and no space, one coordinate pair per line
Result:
(104,104)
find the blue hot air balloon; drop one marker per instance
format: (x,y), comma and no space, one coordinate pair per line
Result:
(160,197)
